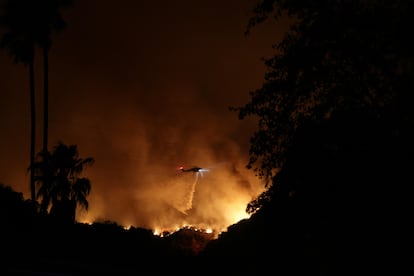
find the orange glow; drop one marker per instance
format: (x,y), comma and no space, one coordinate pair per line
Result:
(187,201)
(156,232)
(145,112)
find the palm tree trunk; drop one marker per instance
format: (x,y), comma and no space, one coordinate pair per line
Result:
(32,129)
(45,97)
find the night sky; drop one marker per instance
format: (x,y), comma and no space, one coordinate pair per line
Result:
(144,87)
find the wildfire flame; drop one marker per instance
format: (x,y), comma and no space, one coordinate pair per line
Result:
(187,200)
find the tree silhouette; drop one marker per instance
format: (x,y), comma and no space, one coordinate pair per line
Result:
(16,213)
(30,23)
(338,56)
(335,127)
(19,39)
(49,20)
(60,186)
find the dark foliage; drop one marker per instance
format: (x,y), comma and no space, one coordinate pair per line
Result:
(15,212)
(337,56)
(334,140)
(60,185)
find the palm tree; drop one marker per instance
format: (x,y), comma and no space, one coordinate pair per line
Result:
(19,40)
(49,20)
(30,23)
(61,188)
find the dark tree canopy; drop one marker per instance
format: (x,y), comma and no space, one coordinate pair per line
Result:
(61,186)
(29,23)
(338,56)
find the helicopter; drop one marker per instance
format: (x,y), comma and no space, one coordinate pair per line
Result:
(192,169)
